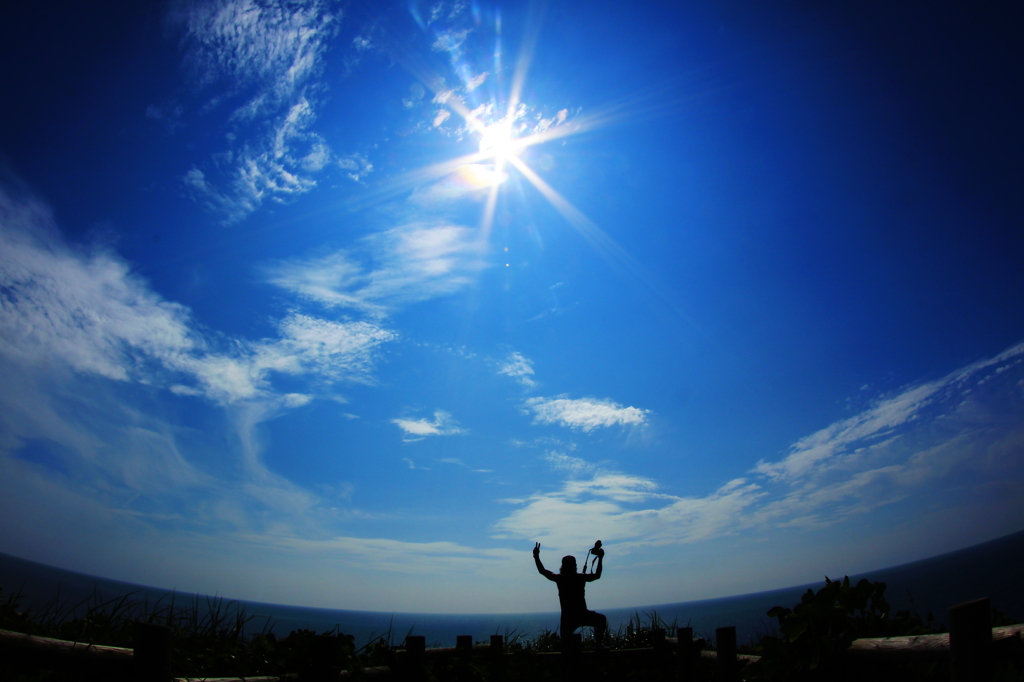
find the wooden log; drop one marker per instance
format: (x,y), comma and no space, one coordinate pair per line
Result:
(740,658)
(970,641)
(919,647)
(374,672)
(726,645)
(930,647)
(290,677)
(62,647)
(151,661)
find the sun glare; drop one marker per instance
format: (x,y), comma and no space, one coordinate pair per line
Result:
(499,140)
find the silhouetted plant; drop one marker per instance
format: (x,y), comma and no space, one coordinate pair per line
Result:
(814,634)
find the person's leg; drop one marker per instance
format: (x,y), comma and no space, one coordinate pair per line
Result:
(599,622)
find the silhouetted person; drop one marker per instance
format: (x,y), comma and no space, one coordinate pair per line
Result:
(571,597)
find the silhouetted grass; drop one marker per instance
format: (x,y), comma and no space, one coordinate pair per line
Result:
(213,637)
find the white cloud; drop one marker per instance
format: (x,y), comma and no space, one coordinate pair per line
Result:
(519,368)
(626,510)
(408,264)
(357,165)
(934,442)
(585,414)
(84,308)
(474,83)
(78,330)
(272,47)
(416,429)
(269,50)
(883,418)
(450,40)
(563,462)
(277,168)
(441,116)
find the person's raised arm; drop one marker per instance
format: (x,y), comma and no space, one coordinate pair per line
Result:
(600,565)
(540,567)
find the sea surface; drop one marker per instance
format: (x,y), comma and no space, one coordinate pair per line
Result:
(993,569)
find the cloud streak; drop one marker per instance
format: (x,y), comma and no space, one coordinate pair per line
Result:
(519,368)
(583,414)
(75,322)
(960,433)
(417,429)
(85,309)
(388,270)
(626,510)
(270,53)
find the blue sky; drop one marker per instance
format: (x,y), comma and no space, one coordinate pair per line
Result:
(347,305)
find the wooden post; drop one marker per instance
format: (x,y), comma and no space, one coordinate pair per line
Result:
(572,644)
(572,648)
(464,643)
(726,639)
(684,654)
(970,641)
(324,657)
(658,639)
(415,645)
(151,661)
(497,658)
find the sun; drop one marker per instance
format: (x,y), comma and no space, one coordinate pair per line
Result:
(499,140)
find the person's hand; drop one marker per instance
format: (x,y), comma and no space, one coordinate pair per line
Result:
(536,550)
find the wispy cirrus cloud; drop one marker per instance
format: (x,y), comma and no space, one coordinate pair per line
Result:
(884,418)
(85,309)
(563,462)
(520,368)
(627,510)
(934,441)
(584,414)
(75,321)
(443,424)
(965,424)
(270,54)
(387,270)
(268,49)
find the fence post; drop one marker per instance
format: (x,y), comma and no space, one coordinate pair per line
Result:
(726,641)
(572,648)
(684,654)
(464,643)
(415,647)
(151,661)
(497,658)
(970,641)
(324,657)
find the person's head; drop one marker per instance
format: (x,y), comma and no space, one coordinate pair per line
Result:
(568,564)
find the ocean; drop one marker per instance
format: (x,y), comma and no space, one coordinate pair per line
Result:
(993,569)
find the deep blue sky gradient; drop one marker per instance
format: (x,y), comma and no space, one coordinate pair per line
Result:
(815,213)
